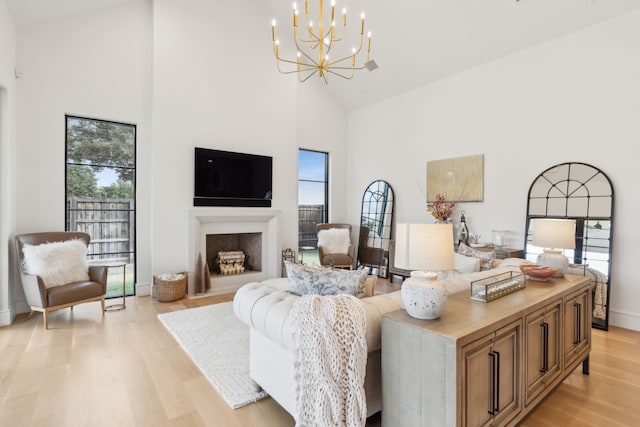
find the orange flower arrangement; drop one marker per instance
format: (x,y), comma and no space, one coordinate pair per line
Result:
(441,209)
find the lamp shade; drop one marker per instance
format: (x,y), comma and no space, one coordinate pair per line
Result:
(427,247)
(554,233)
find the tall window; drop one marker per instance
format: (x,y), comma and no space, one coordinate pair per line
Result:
(313,196)
(100,194)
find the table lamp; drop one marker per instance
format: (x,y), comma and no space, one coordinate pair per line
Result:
(424,249)
(554,235)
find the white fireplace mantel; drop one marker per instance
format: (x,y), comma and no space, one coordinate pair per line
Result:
(203,221)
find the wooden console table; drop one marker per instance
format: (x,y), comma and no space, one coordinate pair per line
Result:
(484,363)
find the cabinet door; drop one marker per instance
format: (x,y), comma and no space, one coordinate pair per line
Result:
(506,348)
(477,378)
(542,349)
(577,325)
(491,378)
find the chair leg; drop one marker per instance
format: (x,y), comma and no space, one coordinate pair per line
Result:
(45,315)
(102,302)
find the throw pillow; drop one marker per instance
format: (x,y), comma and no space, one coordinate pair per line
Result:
(324,281)
(466,264)
(58,263)
(334,240)
(486,257)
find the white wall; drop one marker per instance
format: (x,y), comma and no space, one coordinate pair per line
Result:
(573,99)
(7,158)
(203,76)
(216,86)
(95,65)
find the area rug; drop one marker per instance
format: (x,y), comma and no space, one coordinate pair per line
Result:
(218,344)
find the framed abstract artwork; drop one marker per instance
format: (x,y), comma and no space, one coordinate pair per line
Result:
(460,179)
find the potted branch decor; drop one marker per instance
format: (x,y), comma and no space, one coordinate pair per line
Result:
(441,209)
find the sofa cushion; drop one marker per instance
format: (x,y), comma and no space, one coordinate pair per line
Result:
(58,263)
(324,281)
(486,257)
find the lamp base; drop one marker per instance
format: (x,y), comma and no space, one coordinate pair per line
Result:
(424,296)
(554,258)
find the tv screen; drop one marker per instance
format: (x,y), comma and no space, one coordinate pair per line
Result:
(224,178)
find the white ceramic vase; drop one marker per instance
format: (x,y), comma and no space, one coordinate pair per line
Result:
(423,295)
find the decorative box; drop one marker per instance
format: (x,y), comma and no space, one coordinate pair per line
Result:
(496,286)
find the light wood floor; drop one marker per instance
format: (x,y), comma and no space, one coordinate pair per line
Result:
(124,369)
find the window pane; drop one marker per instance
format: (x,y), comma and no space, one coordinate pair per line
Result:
(100,194)
(100,143)
(312,200)
(312,165)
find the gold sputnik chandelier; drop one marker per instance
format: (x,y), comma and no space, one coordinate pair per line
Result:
(315,44)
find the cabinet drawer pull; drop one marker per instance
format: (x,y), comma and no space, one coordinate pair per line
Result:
(492,404)
(496,406)
(577,310)
(495,382)
(545,347)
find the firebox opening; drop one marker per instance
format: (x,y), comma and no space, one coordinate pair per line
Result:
(234,253)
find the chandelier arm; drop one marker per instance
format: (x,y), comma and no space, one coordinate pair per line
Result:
(308,66)
(301,80)
(306,55)
(337,61)
(362,67)
(343,76)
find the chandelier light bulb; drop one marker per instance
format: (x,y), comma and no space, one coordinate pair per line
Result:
(273,22)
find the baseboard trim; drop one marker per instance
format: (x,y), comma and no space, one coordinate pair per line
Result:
(218,291)
(6,317)
(143,289)
(624,319)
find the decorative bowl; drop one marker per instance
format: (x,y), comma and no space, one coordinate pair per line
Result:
(538,272)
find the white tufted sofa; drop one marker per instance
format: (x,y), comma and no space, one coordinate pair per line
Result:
(266,306)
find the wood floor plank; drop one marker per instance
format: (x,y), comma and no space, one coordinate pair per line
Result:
(123,368)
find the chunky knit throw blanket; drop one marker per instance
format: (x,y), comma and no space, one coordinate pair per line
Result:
(330,357)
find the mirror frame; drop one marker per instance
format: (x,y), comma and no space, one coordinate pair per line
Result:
(584,193)
(376,209)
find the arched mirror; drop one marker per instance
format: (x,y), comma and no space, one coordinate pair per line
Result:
(376,221)
(583,193)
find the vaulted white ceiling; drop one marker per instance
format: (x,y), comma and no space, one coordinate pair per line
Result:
(415,42)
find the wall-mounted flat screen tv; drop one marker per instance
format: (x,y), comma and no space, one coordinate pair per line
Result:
(224,178)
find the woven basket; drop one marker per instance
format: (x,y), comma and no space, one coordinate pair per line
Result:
(170,290)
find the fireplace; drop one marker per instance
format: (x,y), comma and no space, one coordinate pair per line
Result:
(234,253)
(254,231)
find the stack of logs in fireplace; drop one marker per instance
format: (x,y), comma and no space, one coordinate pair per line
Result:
(230,262)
